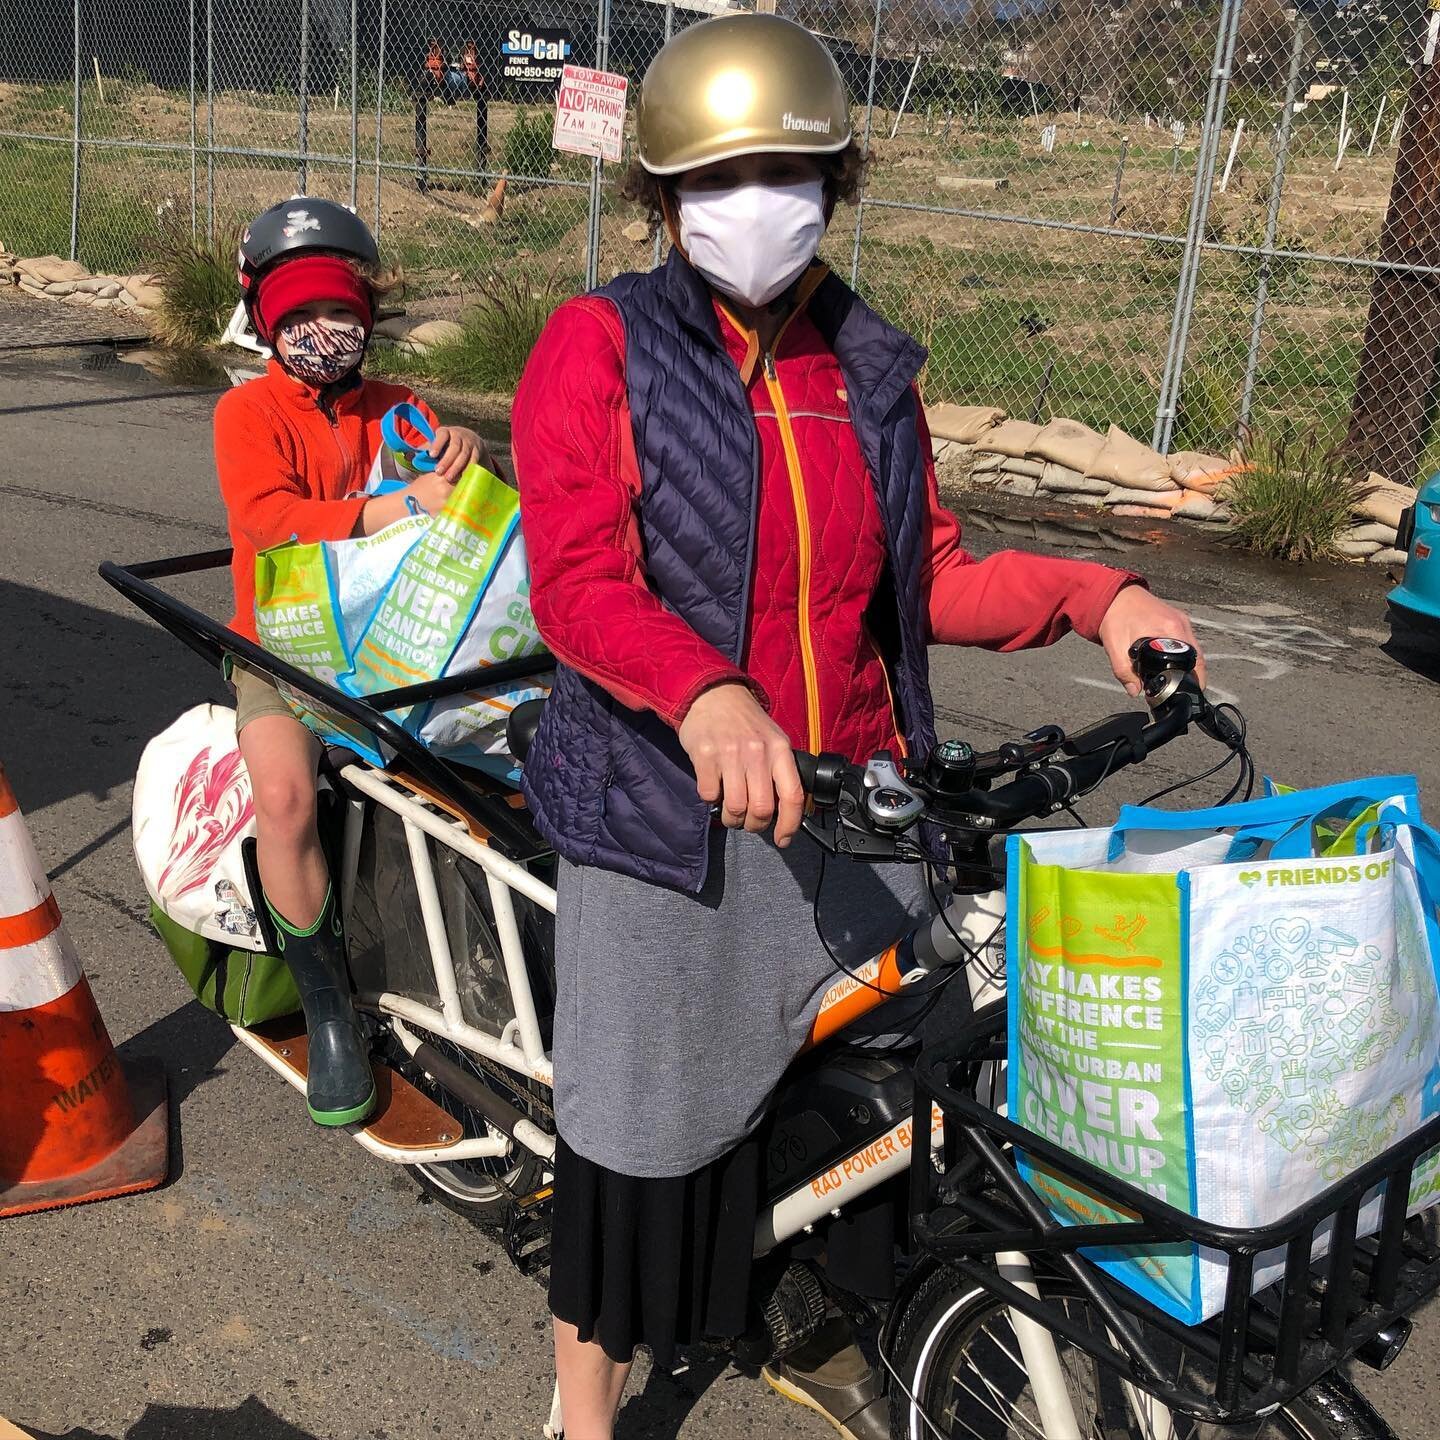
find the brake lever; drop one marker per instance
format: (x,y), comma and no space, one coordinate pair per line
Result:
(838,836)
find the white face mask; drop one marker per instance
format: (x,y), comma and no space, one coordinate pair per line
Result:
(753,241)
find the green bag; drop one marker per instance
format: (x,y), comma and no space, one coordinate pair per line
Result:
(241,986)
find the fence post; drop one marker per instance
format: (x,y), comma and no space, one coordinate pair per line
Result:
(1272,221)
(194,135)
(865,143)
(597,165)
(303,174)
(75,152)
(659,233)
(379,114)
(210,121)
(354,105)
(1210,128)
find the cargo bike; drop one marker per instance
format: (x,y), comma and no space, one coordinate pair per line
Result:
(1001,1327)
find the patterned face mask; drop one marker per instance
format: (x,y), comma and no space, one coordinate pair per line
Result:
(320,352)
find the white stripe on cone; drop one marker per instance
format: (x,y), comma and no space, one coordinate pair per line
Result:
(23,882)
(32,975)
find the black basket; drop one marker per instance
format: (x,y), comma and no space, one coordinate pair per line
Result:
(484,803)
(969,1205)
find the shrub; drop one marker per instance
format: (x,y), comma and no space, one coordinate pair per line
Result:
(528,151)
(1296,496)
(198,280)
(499,334)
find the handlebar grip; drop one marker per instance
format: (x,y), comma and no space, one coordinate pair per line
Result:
(807,764)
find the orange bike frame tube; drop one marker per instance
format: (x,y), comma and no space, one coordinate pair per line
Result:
(871,985)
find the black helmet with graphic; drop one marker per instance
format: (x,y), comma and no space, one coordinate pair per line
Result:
(303,225)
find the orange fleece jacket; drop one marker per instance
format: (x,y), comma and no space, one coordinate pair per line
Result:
(288,469)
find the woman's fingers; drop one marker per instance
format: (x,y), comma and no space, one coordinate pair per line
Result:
(736,798)
(708,778)
(761,786)
(790,793)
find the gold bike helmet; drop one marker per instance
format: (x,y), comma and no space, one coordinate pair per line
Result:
(740,85)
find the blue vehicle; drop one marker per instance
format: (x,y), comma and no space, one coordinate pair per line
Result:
(1415,602)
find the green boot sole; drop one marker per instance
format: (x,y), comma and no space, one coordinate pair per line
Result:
(342,1117)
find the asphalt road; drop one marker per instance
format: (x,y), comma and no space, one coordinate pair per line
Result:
(285,1284)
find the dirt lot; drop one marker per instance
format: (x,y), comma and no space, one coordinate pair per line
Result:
(1040,318)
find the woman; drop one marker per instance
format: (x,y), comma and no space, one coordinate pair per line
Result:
(737,548)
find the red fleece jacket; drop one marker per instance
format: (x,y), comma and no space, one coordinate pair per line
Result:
(579,487)
(286,467)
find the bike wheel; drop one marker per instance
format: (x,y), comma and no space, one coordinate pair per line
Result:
(483,1191)
(958,1358)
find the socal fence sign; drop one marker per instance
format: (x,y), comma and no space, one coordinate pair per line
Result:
(590,112)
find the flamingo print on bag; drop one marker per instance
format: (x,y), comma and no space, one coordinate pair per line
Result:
(213,805)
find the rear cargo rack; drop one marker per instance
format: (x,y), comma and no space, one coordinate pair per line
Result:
(473,796)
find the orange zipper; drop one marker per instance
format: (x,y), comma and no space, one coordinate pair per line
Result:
(802,525)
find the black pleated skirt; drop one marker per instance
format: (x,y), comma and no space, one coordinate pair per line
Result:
(655,1262)
(666,1263)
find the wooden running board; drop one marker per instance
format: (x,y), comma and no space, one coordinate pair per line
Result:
(404,1119)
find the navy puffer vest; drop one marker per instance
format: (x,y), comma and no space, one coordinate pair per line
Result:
(611,786)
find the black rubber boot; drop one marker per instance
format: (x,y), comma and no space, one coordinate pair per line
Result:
(340,1088)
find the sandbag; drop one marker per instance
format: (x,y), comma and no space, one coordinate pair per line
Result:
(1126,462)
(1195,470)
(1065,481)
(1068,443)
(963,423)
(1010,437)
(1166,500)
(1384,502)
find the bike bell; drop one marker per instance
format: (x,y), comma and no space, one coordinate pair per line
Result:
(1162,665)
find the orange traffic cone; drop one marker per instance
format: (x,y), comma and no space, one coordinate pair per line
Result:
(75,1123)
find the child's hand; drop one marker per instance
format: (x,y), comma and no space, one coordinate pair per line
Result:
(456,448)
(429,492)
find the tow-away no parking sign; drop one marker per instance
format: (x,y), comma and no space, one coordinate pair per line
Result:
(590,112)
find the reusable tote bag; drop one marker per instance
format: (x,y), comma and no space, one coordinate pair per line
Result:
(423,599)
(1212,1008)
(192,812)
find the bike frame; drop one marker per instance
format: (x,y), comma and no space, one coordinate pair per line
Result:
(439,804)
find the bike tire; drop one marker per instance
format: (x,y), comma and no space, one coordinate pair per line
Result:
(948,1316)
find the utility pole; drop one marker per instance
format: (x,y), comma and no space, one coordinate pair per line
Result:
(1395,387)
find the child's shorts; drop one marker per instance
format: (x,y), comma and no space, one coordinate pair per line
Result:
(255,695)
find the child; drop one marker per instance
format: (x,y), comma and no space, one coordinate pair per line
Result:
(293,450)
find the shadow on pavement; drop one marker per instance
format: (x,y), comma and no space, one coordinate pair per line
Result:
(190,1043)
(250,1420)
(84,690)
(660,1410)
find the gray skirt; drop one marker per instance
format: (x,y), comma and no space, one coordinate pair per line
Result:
(676,1014)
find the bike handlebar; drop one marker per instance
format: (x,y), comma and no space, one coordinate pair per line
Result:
(872,805)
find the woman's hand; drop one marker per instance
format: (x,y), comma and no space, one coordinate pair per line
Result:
(455,448)
(1136,614)
(743,760)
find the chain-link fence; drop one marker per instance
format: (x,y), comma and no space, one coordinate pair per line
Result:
(1191,218)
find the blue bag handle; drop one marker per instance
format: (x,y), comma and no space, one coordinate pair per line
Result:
(1283,819)
(408,453)
(1427,840)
